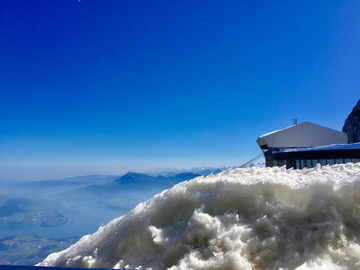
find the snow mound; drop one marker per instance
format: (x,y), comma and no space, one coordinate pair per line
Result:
(251,218)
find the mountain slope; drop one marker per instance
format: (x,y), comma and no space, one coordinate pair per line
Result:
(133,180)
(129,186)
(352,125)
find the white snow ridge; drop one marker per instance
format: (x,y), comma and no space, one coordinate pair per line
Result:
(252,218)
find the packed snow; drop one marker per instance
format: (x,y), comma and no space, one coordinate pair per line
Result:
(250,218)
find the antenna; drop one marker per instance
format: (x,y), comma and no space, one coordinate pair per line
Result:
(294,121)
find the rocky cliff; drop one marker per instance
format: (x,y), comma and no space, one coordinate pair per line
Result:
(352,125)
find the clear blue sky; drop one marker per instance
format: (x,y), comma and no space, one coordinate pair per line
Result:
(110,86)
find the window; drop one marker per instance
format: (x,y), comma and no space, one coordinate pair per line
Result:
(339,161)
(302,164)
(308,163)
(330,161)
(314,162)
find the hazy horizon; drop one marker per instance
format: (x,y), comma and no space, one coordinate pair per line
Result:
(52,174)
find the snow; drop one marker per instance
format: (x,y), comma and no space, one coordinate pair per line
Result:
(272,132)
(324,147)
(267,134)
(249,218)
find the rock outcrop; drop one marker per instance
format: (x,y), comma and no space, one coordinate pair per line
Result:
(352,125)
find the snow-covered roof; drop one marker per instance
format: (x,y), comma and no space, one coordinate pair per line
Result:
(305,134)
(321,148)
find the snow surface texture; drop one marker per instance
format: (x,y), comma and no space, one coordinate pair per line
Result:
(251,218)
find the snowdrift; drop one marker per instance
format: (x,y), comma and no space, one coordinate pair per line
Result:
(252,218)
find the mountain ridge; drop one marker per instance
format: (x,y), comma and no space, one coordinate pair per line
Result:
(352,125)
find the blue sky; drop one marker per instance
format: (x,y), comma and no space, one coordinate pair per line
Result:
(118,85)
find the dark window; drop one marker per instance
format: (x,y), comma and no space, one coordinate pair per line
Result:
(330,161)
(308,163)
(339,161)
(302,164)
(314,162)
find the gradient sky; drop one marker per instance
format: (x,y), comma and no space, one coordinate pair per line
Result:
(110,86)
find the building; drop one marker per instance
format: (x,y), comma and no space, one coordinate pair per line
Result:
(305,145)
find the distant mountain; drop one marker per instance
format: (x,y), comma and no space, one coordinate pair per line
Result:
(352,125)
(66,184)
(133,180)
(127,183)
(260,164)
(73,181)
(125,192)
(205,171)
